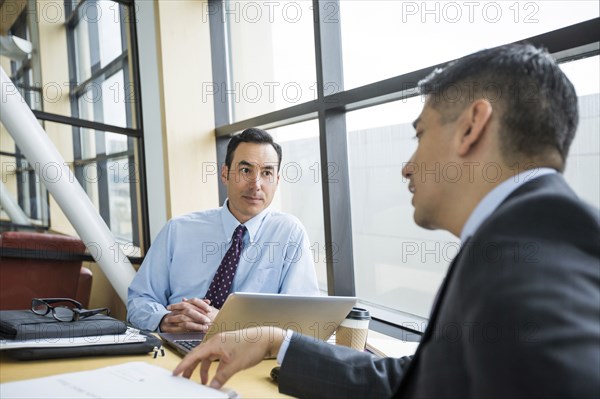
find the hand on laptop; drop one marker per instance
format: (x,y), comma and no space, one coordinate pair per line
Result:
(189,315)
(235,354)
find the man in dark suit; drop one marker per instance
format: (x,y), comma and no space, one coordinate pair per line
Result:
(518,314)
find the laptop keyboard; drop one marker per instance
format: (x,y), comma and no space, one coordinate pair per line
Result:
(189,344)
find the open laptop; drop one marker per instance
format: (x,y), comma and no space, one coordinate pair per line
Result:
(315,316)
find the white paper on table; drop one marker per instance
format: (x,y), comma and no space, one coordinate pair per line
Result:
(127,380)
(386,346)
(130,336)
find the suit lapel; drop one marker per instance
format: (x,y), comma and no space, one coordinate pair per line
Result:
(434,314)
(442,292)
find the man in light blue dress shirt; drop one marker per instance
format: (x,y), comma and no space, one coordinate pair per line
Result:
(168,290)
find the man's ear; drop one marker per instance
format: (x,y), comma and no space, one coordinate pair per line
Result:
(224,172)
(477,119)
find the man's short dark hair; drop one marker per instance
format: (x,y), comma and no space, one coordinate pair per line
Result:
(251,135)
(536,101)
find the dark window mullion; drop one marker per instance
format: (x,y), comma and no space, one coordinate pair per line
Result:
(101,74)
(104,157)
(131,171)
(21,174)
(94,37)
(100,136)
(129,18)
(77,156)
(33,194)
(104,174)
(334,152)
(72,13)
(220,70)
(72,63)
(84,123)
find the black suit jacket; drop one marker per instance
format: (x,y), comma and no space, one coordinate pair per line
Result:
(518,315)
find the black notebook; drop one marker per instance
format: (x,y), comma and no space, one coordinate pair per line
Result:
(138,348)
(24,324)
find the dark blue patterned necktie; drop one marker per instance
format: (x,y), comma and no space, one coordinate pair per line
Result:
(221,283)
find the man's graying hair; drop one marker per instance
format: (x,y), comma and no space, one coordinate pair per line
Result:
(536,102)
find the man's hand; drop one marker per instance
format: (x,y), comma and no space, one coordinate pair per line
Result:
(236,351)
(189,315)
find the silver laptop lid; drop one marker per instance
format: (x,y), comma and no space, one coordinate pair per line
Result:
(314,316)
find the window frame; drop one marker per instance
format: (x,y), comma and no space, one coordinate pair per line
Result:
(140,228)
(26,179)
(566,44)
(139,205)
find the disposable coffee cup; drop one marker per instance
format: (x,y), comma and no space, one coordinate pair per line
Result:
(353,331)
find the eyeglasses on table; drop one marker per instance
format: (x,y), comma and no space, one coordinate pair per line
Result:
(73,312)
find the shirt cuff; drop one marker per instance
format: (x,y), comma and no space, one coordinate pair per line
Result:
(284,346)
(157,319)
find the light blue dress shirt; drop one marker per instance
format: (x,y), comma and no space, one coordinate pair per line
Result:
(187,252)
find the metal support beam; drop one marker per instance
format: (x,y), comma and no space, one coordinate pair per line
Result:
(74,202)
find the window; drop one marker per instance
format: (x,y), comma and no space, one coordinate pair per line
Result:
(398,265)
(300,192)
(105,168)
(374,60)
(103,91)
(19,176)
(440,31)
(583,162)
(272,56)
(21,184)
(85,94)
